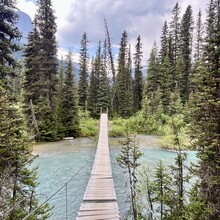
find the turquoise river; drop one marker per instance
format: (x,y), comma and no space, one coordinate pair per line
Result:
(65,167)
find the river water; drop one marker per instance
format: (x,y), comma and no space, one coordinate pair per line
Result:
(64,167)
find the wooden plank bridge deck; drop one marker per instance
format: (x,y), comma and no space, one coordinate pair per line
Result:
(99,201)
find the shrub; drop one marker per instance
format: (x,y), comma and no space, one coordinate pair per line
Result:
(88,126)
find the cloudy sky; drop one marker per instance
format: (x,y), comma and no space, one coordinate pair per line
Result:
(137,17)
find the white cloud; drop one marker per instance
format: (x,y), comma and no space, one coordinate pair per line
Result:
(27,6)
(139,17)
(62,52)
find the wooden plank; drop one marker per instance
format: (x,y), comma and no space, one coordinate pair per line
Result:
(101,217)
(97,212)
(99,201)
(98,206)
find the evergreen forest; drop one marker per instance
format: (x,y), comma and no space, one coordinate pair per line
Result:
(176,98)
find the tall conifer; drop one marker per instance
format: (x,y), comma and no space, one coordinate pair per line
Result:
(17,180)
(153,75)
(175,30)
(186,36)
(41,72)
(124,80)
(83,74)
(138,75)
(206,117)
(164,42)
(199,37)
(69,106)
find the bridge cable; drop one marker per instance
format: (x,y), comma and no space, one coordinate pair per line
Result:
(65,185)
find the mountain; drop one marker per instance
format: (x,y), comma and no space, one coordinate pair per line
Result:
(24,25)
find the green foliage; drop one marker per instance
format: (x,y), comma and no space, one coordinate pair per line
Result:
(17,180)
(153,76)
(205,114)
(103,96)
(83,74)
(117,127)
(186,35)
(138,75)
(163,193)
(174,28)
(40,86)
(128,159)
(69,107)
(8,37)
(94,83)
(168,136)
(88,126)
(124,88)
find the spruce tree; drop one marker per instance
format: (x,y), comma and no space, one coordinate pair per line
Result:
(174,42)
(163,192)
(83,74)
(205,115)
(138,75)
(32,80)
(186,35)
(153,74)
(32,84)
(175,30)
(199,37)
(17,180)
(48,54)
(92,91)
(124,80)
(61,77)
(164,42)
(165,82)
(103,95)
(128,159)
(69,106)
(94,82)
(43,43)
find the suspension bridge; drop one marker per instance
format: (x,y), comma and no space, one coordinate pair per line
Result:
(99,201)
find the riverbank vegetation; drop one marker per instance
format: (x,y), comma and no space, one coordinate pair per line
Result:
(178,99)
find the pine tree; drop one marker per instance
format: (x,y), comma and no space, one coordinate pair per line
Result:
(69,106)
(124,80)
(83,74)
(186,35)
(165,82)
(48,50)
(32,67)
(128,159)
(94,83)
(138,75)
(42,70)
(198,53)
(180,178)
(163,192)
(153,75)
(164,42)
(8,33)
(92,91)
(17,181)
(174,43)
(103,95)
(175,30)
(61,77)
(199,37)
(32,79)
(205,115)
